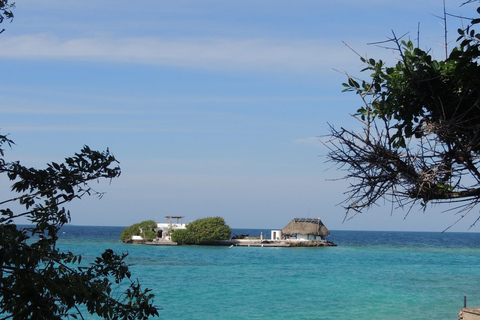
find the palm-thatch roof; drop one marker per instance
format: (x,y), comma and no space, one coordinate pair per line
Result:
(313,226)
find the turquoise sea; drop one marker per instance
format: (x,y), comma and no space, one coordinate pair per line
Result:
(369,275)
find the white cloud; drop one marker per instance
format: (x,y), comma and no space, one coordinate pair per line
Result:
(303,56)
(315,141)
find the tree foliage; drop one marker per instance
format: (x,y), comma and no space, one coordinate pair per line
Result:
(38,281)
(181,236)
(6,11)
(203,231)
(146,229)
(421,128)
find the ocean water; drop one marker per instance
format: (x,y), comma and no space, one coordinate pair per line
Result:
(369,275)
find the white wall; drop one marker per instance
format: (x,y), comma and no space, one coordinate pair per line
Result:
(166,226)
(276,235)
(175,226)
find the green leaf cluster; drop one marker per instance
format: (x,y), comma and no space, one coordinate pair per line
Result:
(203,231)
(420,135)
(37,280)
(421,90)
(145,229)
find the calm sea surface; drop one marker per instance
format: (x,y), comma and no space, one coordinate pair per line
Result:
(370,275)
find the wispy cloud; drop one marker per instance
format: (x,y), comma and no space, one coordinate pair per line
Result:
(86,128)
(315,141)
(303,56)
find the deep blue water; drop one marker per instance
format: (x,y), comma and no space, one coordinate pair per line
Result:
(369,275)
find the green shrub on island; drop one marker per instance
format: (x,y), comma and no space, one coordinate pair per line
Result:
(180,236)
(145,229)
(203,231)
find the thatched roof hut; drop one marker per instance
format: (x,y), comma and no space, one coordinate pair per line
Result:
(307,226)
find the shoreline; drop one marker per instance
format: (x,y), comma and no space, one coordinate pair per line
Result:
(274,243)
(249,243)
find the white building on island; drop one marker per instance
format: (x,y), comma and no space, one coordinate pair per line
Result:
(164,230)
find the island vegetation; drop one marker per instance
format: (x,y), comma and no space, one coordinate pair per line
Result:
(203,231)
(145,229)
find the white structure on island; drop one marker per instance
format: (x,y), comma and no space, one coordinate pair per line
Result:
(164,230)
(276,235)
(307,229)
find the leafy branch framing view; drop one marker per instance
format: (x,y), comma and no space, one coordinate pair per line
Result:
(38,281)
(420,141)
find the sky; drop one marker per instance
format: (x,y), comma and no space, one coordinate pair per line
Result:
(212,108)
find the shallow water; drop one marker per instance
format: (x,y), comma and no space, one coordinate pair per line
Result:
(370,275)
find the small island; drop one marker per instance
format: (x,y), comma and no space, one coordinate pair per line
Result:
(203,231)
(300,232)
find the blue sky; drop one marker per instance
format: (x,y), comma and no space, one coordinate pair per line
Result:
(213,108)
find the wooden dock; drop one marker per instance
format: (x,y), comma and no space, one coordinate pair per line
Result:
(251,243)
(274,243)
(162,242)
